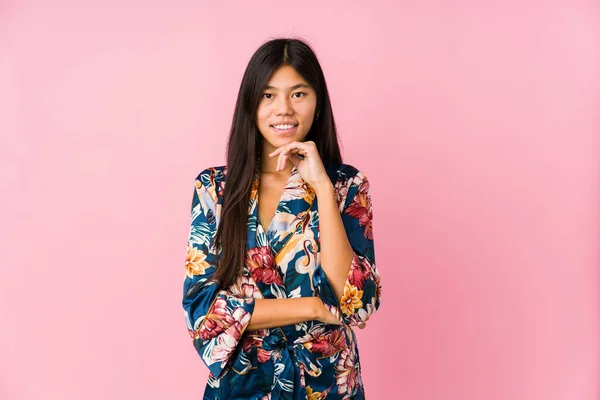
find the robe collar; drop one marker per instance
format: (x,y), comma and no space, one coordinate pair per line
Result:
(291,216)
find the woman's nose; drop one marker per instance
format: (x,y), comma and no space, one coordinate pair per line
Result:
(283,105)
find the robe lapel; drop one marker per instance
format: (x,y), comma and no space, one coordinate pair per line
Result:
(291,218)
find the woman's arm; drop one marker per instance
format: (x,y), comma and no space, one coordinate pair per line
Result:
(336,252)
(274,313)
(355,296)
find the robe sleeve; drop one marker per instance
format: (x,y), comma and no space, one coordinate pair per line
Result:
(362,291)
(216,317)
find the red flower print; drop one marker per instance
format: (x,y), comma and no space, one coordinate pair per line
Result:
(246,288)
(328,344)
(255,341)
(261,264)
(359,272)
(229,339)
(216,321)
(361,208)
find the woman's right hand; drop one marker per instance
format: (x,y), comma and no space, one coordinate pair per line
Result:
(323,314)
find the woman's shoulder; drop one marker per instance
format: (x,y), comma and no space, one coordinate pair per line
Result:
(212,176)
(212,179)
(345,172)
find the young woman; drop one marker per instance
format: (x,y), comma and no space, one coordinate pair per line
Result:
(271,295)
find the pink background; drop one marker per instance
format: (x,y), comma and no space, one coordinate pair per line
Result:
(476,123)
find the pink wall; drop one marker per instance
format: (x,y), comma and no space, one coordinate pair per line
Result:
(476,123)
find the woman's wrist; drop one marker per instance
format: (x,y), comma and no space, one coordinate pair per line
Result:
(324,188)
(316,308)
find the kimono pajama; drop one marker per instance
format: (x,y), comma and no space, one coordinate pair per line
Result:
(310,360)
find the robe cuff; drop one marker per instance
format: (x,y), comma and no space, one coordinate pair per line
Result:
(220,333)
(361,292)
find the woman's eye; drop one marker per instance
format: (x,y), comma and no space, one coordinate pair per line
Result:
(269,94)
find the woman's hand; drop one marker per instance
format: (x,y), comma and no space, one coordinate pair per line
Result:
(323,314)
(305,156)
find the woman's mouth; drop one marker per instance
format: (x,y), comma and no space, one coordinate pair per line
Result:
(285,129)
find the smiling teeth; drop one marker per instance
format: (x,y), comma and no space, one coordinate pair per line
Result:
(282,127)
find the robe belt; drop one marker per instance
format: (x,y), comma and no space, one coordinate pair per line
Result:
(301,355)
(275,341)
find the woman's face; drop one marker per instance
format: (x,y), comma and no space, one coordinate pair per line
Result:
(289,100)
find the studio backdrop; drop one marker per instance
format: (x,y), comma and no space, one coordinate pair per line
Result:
(476,123)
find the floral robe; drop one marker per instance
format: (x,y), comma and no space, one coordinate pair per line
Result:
(310,360)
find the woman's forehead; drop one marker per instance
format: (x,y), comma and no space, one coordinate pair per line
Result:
(286,78)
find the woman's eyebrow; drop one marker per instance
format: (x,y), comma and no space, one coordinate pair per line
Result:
(299,85)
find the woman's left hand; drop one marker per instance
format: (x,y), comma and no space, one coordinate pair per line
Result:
(305,156)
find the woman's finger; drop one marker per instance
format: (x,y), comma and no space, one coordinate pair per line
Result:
(282,157)
(273,154)
(331,319)
(295,158)
(281,149)
(281,161)
(287,153)
(286,150)
(295,146)
(278,161)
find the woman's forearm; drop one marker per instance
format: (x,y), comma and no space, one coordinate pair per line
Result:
(336,251)
(272,313)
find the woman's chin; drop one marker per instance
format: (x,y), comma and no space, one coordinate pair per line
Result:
(278,141)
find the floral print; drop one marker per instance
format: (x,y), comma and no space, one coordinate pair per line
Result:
(195,263)
(347,375)
(351,300)
(311,360)
(262,266)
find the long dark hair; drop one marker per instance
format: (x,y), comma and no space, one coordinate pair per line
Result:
(245,143)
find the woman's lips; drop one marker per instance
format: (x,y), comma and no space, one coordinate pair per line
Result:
(285,131)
